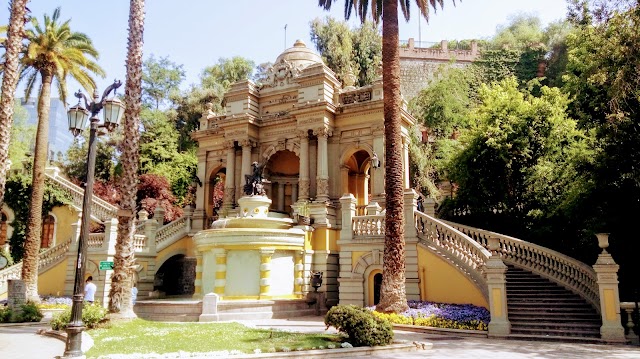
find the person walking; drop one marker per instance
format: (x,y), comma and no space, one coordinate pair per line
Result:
(90,290)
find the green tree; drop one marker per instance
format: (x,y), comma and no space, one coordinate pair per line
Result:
(53,51)
(160,78)
(392,293)
(22,136)
(10,76)
(75,165)
(357,51)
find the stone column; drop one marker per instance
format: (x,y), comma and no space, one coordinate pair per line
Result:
(365,188)
(303,181)
(281,196)
(412,281)
(265,272)
(607,273)
(229,184)
(348,204)
(200,201)
(496,282)
(221,270)
(405,162)
(322,178)
(377,174)
(298,273)
(188,213)
(294,192)
(344,177)
(197,293)
(246,159)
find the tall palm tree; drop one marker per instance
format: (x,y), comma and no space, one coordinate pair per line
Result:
(53,51)
(121,280)
(393,296)
(12,44)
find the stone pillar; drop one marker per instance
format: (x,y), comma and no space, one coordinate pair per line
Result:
(281,196)
(373,209)
(495,270)
(294,192)
(412,280)
(197,293)
(150,229)
(298,273)
(377,175)
(303,181)
(344,177)
(109,249)
(265,272)
(209,308)
(405,162)
(348,204)
(246,159)
(72,256)
(16,295)
(607,273)
(444,45)
(200,200)
(365,188)
(631,335)
(322,178)
(188,213)
(221,270)
(429,206)
(229,183)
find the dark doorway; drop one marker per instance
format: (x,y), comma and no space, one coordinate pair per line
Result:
(377,283)
(176,276)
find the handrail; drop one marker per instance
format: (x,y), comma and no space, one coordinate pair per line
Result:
(465,252)
(562,269)
(368,226)
(46,260)
(100,208)
(171,232)
(95,241)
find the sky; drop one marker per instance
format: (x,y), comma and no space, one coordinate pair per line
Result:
(196,33)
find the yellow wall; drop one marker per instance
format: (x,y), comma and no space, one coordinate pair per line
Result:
(51,282)
(355,256)
(325,239)
(184,245)
(443,283)
(65,217)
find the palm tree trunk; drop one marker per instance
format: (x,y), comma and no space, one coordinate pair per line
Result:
(392,292)
(34,223)
(9,83)
(124,261)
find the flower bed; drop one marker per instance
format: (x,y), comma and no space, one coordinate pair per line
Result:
(51,302)
(441,315)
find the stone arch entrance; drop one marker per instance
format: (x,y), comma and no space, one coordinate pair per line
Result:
(356,177)
(176,276)
(369,268)
(282,171)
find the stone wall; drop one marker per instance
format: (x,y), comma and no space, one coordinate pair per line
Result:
(418,65)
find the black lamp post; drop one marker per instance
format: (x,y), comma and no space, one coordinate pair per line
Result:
(78,115)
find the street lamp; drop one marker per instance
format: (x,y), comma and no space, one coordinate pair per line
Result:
(78,115)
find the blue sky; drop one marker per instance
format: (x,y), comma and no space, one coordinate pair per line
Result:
(196,33)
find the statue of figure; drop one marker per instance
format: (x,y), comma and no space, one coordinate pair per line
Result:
(253,185)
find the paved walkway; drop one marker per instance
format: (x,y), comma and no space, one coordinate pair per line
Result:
(22,342)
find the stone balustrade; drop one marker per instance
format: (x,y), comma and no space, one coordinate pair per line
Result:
(170,232)
(95,241)
(631,321)
(368,227)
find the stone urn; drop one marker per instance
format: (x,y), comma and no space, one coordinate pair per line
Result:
(603,241)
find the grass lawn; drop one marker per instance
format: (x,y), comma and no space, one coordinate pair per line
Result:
(140,336)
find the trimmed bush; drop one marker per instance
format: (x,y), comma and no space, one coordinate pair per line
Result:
(5,314)
(362,327)
(92,315)
(30,313)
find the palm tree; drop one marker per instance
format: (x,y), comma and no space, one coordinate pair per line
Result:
(12,44)
(392,293)
(121,280)
(53,52)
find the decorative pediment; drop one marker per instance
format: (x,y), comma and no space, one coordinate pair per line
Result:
(280,74)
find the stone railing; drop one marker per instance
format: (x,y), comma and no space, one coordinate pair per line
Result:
(46,260)
(368,227)
(631,321)
(455,245)
(139,242)
(95,241)
(555,266)
(100,209)
(170,233)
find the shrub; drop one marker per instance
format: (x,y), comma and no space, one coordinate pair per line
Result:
(92,315)
(5,314)
(30,313)
(362,327)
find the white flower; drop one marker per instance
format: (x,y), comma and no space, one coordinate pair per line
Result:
(346,345)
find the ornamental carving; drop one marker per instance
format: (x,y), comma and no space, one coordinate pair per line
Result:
(229,145)
(303,189)
(247,143)
(323,132)
(281,73)
(355,97)
(322,186)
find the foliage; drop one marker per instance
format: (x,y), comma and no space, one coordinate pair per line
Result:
(5,314)
(29,313)
(160,78)
(18,191)
(92,315)
(22,137)
(441,315)
(75,165)
(345,50)
(142,337)
(362,327)
(153,191)
(522,31)
(7,255)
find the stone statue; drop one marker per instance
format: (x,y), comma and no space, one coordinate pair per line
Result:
(254,185)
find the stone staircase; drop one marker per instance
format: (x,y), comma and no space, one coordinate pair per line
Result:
(541,309)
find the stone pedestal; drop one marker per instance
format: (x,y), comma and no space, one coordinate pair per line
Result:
(16,295)
(210,308)
(496,283)
(607,272)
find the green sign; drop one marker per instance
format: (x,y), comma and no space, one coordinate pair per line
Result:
(106,265)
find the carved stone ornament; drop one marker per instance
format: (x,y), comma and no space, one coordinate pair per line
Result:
(323,186)
(323,131)
(303,188)
(280,74)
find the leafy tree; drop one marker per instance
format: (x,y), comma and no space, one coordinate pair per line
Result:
(344,50)
(155,191)
(522,31)
(10,76)
(160,78)
(22,137)
(392,292)
(124,259)
(75,165)
(53,51)
(226,72)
